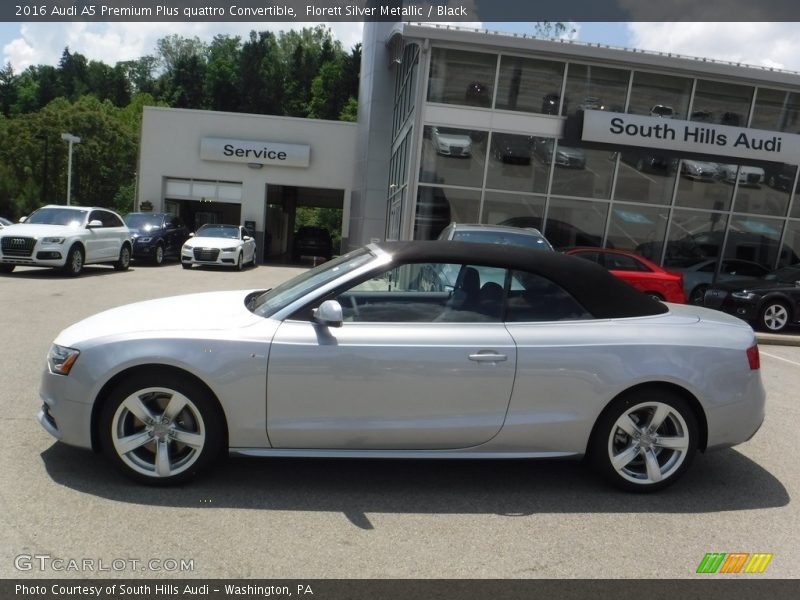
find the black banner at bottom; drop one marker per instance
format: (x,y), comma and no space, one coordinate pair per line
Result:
(402,589)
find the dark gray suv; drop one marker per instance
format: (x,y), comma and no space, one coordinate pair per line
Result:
(156,236)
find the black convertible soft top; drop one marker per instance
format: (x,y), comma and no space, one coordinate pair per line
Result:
(599,292)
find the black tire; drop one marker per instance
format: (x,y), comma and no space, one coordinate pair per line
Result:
(186,265)
(698,295)
(7,268)
(655,296)
(239,263)
(199,422)
(158,255)
(643,464)
(74,265)
(774,316)
(124,260)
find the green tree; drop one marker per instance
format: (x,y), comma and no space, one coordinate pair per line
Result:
(221,86)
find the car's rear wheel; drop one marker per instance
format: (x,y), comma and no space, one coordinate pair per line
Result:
(158,255)
(645,440)
(124,260)
(698,295)
(74,264)
(160,428)
(774,316)
(6,268)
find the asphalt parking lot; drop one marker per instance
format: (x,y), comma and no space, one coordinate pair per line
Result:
(376,519)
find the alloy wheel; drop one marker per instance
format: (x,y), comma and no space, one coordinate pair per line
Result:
(775,317)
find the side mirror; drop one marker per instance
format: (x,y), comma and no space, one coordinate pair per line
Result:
(246,238)
(191,235)
(329,313)
(94,224)
(23,219)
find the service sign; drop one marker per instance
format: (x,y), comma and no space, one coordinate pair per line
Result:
(689,136)
(255,152)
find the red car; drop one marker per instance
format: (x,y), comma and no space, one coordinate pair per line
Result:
(637,271)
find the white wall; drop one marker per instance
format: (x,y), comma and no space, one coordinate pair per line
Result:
(170,148)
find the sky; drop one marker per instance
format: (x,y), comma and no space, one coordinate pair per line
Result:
(760,44)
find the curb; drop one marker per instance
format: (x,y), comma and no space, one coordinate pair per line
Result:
(776,339)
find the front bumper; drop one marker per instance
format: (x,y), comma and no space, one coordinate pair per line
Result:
(65,414)
(223,259)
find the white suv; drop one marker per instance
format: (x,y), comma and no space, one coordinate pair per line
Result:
(66,238)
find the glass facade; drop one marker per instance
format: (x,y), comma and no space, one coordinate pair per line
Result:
(676,212)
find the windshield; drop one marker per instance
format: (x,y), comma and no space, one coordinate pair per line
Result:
(526,240)
(219,231)
(270,302)
(58,216)
(145,222)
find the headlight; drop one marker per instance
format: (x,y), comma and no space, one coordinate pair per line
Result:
(744,295)
(145,240)
(53,240)
(233,249)
(60,359)
(187,247)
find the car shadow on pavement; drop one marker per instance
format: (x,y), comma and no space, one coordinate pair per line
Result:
(44,273)
(722,480)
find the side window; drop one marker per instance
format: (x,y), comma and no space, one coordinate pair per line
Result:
(96,215)
(112,220)
(427,293)
(541,300)
(620,262)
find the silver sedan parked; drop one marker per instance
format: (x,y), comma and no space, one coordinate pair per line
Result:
(445,350)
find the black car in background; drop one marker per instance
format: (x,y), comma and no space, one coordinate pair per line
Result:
(771,303)
(156,236)
(312,241)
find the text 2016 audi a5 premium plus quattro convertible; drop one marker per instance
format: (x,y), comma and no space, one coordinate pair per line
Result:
(412,350)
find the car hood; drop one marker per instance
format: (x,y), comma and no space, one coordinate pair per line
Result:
(210,311)
(454,139)
(212,242)
(38,231)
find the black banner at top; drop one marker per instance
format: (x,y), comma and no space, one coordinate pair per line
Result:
(456,11)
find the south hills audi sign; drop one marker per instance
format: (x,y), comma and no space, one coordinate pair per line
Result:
(690,137)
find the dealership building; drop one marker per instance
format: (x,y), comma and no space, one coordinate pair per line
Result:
(679,159)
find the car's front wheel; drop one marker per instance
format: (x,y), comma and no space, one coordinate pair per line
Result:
(239,263)
(160,428)
(697,297)
(7,268)
(774,316)
(74,264)
(645,440)
(158,255)
(124,260)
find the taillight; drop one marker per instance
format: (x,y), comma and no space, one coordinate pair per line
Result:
(752,357)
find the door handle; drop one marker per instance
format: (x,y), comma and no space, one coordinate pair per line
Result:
(488,357)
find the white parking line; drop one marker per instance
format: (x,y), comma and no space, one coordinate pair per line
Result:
(780,358)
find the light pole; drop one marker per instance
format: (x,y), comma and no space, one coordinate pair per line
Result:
(71,139)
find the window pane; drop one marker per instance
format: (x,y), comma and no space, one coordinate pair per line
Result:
(632,225)
(645,176)
(579,171)
(575,223)
(791,248)
(659,95)
(756,240)
(724,103)
(755,195)
(534,298)
(694,236)
(514,210)
(529,85)
(776,110)
(453,156)
(701,186)
(511,167)
(438,207)
(595,88)
(459,77)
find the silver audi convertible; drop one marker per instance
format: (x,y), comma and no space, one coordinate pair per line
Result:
(446,350)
